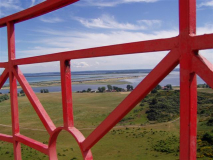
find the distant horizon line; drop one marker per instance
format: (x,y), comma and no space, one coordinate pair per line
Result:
(176,69)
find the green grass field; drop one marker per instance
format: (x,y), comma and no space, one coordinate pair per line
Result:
(126,141)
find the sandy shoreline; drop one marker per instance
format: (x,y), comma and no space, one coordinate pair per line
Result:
(97,81)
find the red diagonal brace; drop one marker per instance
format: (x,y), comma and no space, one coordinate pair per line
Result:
(44,117)
(187,43)
(4,76)
(203,68)
(32,143)
(148,83)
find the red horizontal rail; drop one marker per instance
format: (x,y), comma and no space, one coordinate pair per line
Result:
(202,42)
(3,64)
(120,49)
(32,143)
(35,11)
(6,138)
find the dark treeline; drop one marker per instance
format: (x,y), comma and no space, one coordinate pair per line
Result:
(4,97)
(109,88)
(163,106)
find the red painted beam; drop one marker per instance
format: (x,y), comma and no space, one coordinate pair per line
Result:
(44,117)
(120,49)
(149,82)
(203,68)
(13,90)
(3,64)
(190,62)
(4,76)
(6,138)
(188,110)
(35,11)
(202,42)
(14,115)
(11,41)
(66,92)
(188,81)
(77,135)
(32,143)
(187,17)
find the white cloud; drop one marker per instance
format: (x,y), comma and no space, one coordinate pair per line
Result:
(97,63)
(206,4)
(206,29)
(2,14)
(33,2)
(1,70)
(109,22)
(208,54)
(112,3)
(150,22)
(8,7)
(80,40)
(10,4)
(51,20)
(41,67)
(54,41)
(131,1)
(80,64)
(66,40)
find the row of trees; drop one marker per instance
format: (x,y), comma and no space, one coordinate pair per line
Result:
(158,87)
(101,89)
(203,86)
(118,89)
(129,87)
(109,88)
(4,97)
(21,93)
(44,91)
(83,91)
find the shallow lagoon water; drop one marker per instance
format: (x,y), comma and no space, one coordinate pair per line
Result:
(172,78)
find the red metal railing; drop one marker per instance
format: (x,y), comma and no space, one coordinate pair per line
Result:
(183,50)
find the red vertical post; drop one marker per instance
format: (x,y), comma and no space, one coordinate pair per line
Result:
(188,81)
(66,93)
(13,90)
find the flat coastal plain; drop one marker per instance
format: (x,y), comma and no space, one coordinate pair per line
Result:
(133,140)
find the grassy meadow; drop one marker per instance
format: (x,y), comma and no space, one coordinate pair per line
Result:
(132,139)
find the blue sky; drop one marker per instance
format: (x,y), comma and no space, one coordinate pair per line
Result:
(92,23)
